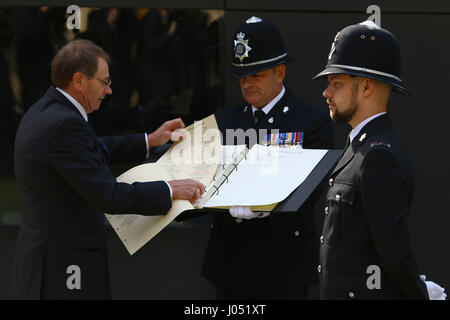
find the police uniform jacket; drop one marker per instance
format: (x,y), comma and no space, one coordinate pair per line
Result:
(65,187)
(365,233)
(277,252)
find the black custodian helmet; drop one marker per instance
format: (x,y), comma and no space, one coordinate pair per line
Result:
(366,50)
(257,46)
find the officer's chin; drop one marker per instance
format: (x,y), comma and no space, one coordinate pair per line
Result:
(332,110)
(252,99)
(99,104)
(334,115)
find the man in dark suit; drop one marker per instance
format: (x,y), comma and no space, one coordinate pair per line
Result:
(251,255)
(65,183)
(366,252)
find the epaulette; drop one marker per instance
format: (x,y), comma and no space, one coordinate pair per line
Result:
(376,143)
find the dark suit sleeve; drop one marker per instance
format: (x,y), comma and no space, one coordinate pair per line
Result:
(385,201)
(126,148)
(72,153)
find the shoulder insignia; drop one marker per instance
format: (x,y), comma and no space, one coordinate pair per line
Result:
(363,136)
(376,143)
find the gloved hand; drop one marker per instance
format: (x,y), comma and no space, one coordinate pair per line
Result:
(242,212)
(435,291)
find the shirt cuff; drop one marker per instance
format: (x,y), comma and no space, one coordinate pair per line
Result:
(170,188)
(146,144)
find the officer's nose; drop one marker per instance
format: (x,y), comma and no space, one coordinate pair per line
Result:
(326,93)
(245,83)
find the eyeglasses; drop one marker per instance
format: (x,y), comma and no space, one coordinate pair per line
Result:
(105,83)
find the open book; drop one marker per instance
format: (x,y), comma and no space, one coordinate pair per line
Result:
(267,178)
(260,177)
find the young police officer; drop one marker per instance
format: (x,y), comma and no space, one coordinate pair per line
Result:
(365,233)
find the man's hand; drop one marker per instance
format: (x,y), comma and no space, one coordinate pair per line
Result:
(435,291)
(242,212)
(165,132)
(186,189)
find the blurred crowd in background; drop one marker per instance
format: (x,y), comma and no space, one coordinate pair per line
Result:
(165,64)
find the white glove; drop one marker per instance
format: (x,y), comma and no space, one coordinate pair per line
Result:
(242,212)
(435,291)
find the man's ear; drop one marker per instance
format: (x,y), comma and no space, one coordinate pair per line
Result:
(367,86)
(280,72)
(78,80)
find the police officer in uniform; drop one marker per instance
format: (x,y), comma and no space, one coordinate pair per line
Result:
(251,255)
(366,251)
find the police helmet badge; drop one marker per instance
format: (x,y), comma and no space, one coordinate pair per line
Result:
(253,20)
(333,46)
(370,24)
(241,47)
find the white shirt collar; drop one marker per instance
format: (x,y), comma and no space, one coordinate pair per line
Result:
(75,103)
(359,127)
(271,104)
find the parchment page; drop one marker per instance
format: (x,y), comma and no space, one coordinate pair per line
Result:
(136,230)
(198,155)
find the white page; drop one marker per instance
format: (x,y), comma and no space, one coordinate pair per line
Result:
(268,175)
(229,153)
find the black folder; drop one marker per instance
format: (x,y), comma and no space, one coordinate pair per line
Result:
(295,200)
(304,190)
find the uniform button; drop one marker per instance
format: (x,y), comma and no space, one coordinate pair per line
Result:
(326,210)
(330,182)
(351,294)
(321,239)
(319,268)
(338,197)
(296,233)
(238,220)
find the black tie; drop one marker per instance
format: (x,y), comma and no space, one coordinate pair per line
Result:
(259,115)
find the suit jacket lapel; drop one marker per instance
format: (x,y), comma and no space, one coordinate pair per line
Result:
(276,116)
(348,155)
